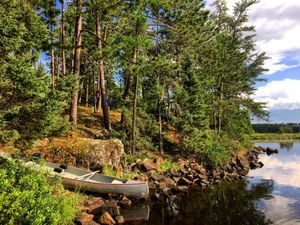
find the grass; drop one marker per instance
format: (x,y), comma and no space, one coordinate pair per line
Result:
(275,136)
(109,171)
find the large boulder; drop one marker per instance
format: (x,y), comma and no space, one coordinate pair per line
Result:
(84,152)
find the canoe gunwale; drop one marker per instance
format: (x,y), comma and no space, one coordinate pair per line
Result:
(103,184)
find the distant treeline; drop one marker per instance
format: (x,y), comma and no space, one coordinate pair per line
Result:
(277,128)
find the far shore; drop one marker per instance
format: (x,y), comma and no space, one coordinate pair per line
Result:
(275,136)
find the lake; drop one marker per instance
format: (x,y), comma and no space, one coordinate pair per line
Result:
(270,195)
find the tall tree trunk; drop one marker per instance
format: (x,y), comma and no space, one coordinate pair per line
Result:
(80,92)
(125,96)
(63,53)
(52,67)
(87,84)
(95,94)
(159,98)
(160,127)
(98,94)
(134,107)
(57,67)
(102,77)
(76,69)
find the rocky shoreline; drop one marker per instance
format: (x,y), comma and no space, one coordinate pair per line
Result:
(190,174)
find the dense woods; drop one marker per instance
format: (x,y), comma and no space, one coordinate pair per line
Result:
(165,65)
(277,128)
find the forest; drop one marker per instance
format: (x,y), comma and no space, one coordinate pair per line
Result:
(162,65)
(168,81)
(276,128)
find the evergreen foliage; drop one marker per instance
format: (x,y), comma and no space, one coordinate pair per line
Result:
(29,109)
(167,65)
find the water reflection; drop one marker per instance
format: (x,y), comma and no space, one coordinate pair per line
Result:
(284,169)
(138,212)
(270,195)
(232,203)
(286,145)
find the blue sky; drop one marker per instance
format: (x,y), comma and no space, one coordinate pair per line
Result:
(292,73)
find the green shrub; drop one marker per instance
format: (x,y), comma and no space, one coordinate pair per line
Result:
(167,164)
(130,175)
(9,135)
(109,171)
(31,197)
(216,154)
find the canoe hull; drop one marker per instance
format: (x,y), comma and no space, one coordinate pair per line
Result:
(97,183)
(100,183)
(134,190)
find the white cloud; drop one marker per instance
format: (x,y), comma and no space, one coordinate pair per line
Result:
(284,172)
(278,29)
(283,94)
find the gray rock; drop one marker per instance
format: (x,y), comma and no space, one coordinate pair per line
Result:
(182,188)
(106,219)
(184,181)
(86,219)
(111,207)
(120,219)
(125,202)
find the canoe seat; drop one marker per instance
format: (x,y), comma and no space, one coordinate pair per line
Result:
(58,170)
(116,182)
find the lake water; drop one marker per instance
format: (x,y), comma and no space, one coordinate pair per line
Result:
(270,195)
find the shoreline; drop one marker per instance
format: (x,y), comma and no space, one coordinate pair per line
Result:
(190,175)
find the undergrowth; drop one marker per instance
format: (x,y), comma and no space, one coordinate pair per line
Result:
(31,197)
(167,164)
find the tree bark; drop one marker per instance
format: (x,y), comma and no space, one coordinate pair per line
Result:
(52,67)
(95,94)
(98,94)
(57,67)
(160,128)
(87,84)
(63,53)
(80,92)
(76,68)
(159,99)
(127,87)
(102,78)
(134,107)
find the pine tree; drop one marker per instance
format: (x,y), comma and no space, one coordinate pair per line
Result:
(76,66)
(28,107)
(237,67)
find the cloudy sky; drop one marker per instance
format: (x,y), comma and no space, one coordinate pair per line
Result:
(278,34)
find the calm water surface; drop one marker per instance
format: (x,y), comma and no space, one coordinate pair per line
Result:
(270,195)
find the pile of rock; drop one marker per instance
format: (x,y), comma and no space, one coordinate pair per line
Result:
(100,211)
(191,173)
